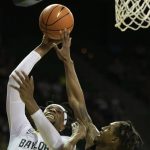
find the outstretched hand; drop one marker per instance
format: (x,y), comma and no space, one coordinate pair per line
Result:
(26,86)
(78,133)
(49,43)
(78,129)
(63,53)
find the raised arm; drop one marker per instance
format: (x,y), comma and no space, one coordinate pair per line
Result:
(14,105)
(26,90)
(74,90)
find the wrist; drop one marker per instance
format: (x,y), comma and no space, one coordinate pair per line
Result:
(68,61)
(45,46)
(74,139)
(42,49)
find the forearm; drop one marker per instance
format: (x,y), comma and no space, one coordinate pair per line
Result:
(14,105)
(32,58)
(72,82)
(13,96)
(49,133)
(42,49)
(75,93)
(31,106)
(28,62)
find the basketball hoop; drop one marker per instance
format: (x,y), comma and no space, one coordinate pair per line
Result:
(132,14)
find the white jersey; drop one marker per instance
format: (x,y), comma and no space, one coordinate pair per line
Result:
(30,140)
(22,134)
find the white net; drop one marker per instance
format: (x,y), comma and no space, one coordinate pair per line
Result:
(132,14)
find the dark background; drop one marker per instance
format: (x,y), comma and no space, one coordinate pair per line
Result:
(113,66)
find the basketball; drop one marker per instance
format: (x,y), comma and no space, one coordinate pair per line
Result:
(54,18)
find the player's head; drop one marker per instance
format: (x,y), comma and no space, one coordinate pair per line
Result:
(120,135)
(57,115)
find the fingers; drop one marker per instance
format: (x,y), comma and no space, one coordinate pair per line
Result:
(79,129)
(45,39)
(75,124)
(57,50)
(81,124)
(64,38)
(14,87)
(32,82)
(16,79)
(55,46)
(22,79)
(43,36)
(70,41)
(66,35)
(26,77)
(31,79)
(20,76)
(61,35)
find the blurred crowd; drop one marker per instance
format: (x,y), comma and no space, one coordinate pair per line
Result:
(129,68)
(126,66)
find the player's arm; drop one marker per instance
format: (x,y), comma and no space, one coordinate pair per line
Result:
(74,90)
(46,129)
(44,126)
(78,133)
(14,105)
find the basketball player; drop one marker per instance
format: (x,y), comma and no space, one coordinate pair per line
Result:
(120,135)
(22,134)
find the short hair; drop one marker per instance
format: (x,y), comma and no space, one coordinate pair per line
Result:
(129,137)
